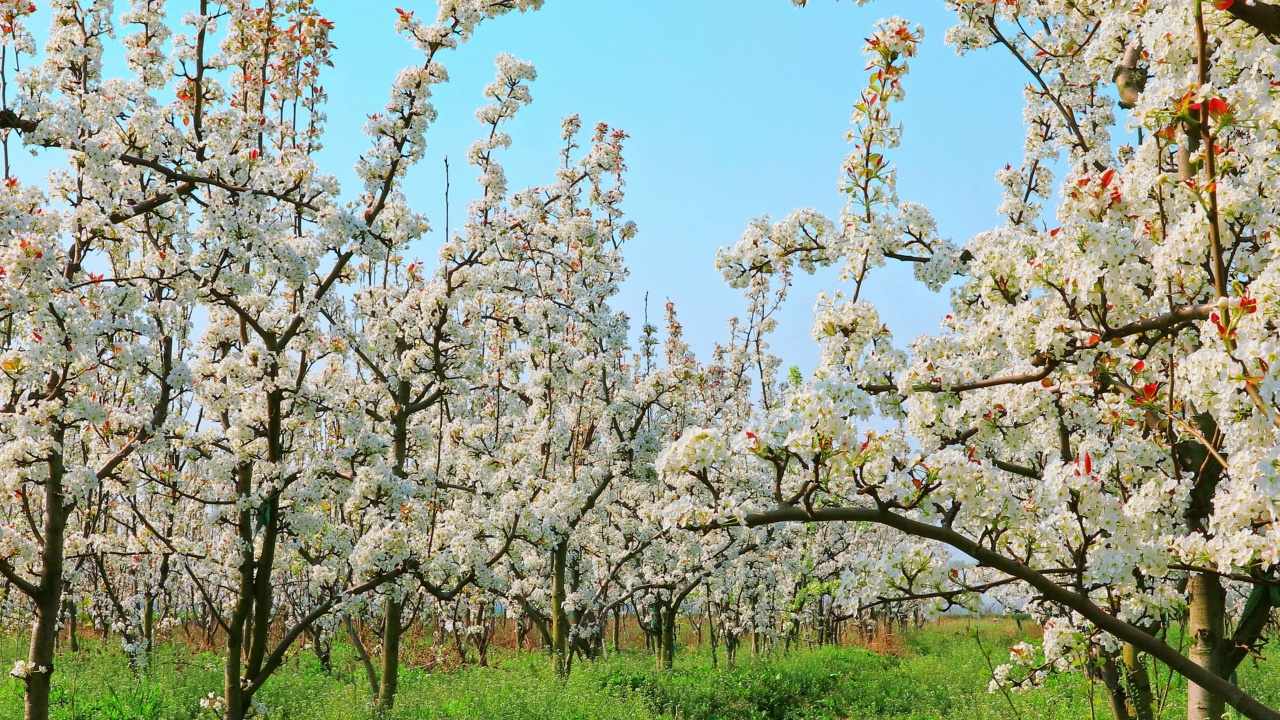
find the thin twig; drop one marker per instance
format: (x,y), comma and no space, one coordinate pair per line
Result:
(992,668)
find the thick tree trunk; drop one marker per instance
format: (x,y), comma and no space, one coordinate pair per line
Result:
(48,598)
(668,644)
(41,656)
(1205,628)
(257,595)
(263,593)
(232,692)
(392,629)
(232,687)
(392,620)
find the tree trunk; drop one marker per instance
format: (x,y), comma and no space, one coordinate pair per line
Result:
(392,621)
(617,629)
(73,636)
(651,628)
(711,637)
(41,656)
(1141,699)
(1117,698)
(323,649)
(659,635)
(559,621)
(152,600)
(232,687)
(392,628)
(1205,631)
(669,637)
(149,622)
(48,598)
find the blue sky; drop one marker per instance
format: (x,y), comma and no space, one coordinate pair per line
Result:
(735,108)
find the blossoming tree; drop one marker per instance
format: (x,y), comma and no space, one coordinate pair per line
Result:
(1097,419)
(95,311)
(227,395)
(192,181)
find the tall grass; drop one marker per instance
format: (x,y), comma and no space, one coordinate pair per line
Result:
(940,671)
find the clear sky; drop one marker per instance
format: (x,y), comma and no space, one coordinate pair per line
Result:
(736,108)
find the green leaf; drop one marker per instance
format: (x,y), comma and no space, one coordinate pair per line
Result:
(795,377)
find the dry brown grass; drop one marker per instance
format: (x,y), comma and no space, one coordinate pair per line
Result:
(886,644)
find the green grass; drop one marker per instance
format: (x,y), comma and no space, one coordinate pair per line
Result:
(940,673)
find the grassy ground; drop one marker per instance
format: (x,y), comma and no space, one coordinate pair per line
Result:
(938,672)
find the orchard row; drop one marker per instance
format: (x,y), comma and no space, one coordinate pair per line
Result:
(229,395)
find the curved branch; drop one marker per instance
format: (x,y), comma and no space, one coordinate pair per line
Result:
(1236,697)
(27,587)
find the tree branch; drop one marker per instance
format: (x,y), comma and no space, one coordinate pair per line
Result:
(1237,698)
(27,587)
(1263,17)
(151,203)
(277,655)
